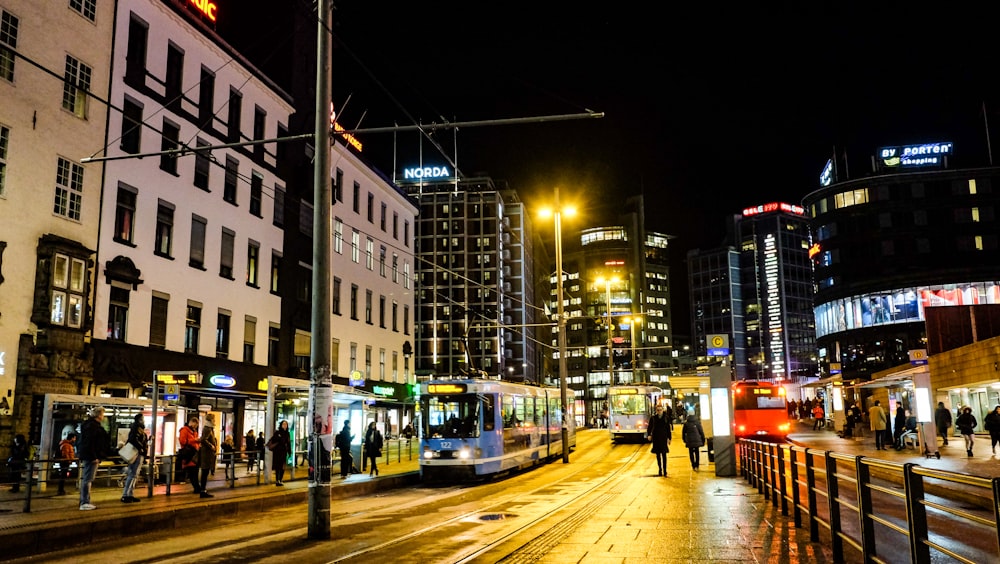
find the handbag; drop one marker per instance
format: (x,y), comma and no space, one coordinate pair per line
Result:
(128,452)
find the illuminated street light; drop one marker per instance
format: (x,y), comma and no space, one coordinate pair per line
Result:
(611,361)
(632,321)
(556,215)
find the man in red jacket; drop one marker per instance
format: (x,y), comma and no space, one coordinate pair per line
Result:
(187,455)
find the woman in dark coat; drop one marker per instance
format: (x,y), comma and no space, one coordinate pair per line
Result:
(898,427)
(18,461)
(992,424)
(373,447)
(281,446)
(660,433)
(693,436)
(966,423)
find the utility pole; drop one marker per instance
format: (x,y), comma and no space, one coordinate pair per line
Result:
(321,385)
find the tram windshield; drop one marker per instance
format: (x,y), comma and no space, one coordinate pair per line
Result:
(450,417)
(629,404)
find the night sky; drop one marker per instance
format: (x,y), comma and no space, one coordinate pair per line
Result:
(707,109)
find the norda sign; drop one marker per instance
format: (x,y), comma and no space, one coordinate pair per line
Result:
(426,173)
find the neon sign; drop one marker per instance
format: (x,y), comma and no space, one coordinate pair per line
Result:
(814,250)
(906,156)
(206,7)
(772,207)
(826,177)
(384,390)
(426,172)
(351,140)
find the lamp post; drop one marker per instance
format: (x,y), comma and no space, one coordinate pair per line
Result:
(631,327)
(561,322)
(611,357)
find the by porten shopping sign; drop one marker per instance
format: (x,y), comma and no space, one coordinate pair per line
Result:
(915,156)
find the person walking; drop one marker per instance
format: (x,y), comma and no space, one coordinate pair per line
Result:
(659,432)
(137,438)
(344,439)
(208,452)
(228,457)
(251,450)
(942,419)
(187,456)
(280,445)
(94,445)
(966,423)
(992,424)
(693,436)
(819,416)
(18,461)
(373,448)
(261,449)
(67,452)
(877,420)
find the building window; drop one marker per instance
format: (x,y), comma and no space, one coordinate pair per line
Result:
(259,120)
(256,193)
(173,86)
(69,189)
(371,208)
(354,302)
(406,274)
(278,217)
(275,269)
(201,164)
(381,364)
(117,312)
(273,342)
(249,338)
(381,311)
(335,356)
(338,186)
(76,86)
(164,229)
(381,260)
(336,296)
(395,268)
(158,322)
(226,255)
(125,215)
(355,243)
(229,185)
(253,262)
(395,225)
(222,334)
(135,55)
(368,307)
(192,328)
(198,228)
(68,281)
(169,142)
(86,8)
(206,99)
(406,319)
(395,366)
(131,135)
(382,219)
(368,362)
(338,235)
(306,219)
(369,252)
(406,234)
(354,357)
(8,43)
(395,312)
(357,198)
(235,109)
(4,144)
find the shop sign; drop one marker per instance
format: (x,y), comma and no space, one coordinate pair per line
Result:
(206,7)
(906,156)
(387,391)
(222,381)
(426,173)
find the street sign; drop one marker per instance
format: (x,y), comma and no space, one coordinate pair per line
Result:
(171,392)
(718,345)
(918,357)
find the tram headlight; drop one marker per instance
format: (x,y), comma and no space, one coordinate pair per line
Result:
(428,454)
(464,453)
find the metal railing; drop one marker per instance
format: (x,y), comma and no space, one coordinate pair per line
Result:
(867,504)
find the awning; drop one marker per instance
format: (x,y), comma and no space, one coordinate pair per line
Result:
(822,382)
(895,379)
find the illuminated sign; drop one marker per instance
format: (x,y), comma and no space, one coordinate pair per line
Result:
(906,156)
(179,378)
(773,207)
(222,381)
(614,263)
(762,391)
(356,378)
(626,391)
(351,140)
(718,345)
(826,177)
(384,390)
(426,173)
(774,315)
(206,7)
(446,388)
(814,250)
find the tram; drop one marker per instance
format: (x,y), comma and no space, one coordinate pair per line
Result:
(474,429)
(759,410)
(629,410)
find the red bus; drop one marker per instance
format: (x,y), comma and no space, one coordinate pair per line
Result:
(759,410)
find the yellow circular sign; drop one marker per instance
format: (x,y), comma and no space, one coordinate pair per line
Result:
(717,341)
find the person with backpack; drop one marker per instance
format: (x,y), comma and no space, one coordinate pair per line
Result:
(373,447)
(280,445)
(137,438)
(344,439)
(694,438)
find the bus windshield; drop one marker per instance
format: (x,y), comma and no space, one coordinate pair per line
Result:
(450,417)
(628,404)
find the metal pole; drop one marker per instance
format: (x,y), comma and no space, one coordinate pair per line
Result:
(563,370)
(611,356)
(151,452)
(321,386)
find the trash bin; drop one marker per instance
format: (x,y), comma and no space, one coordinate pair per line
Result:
(711,449)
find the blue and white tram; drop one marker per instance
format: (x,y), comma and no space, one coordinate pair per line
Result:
(629,410)
(473,428)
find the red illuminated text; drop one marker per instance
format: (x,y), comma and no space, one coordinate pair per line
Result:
(206,7)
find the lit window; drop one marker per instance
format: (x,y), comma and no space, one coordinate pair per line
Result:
(69,189)
(76,86)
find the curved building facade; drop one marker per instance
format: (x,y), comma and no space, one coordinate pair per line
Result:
(888,246)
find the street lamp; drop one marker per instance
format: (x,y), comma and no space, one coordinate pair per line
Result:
(611,360)
(632,321)
(563,370)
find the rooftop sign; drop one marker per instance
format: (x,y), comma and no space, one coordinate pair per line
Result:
(826,177)
(912,156)
(773,207)
(418,173)
(206,7)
